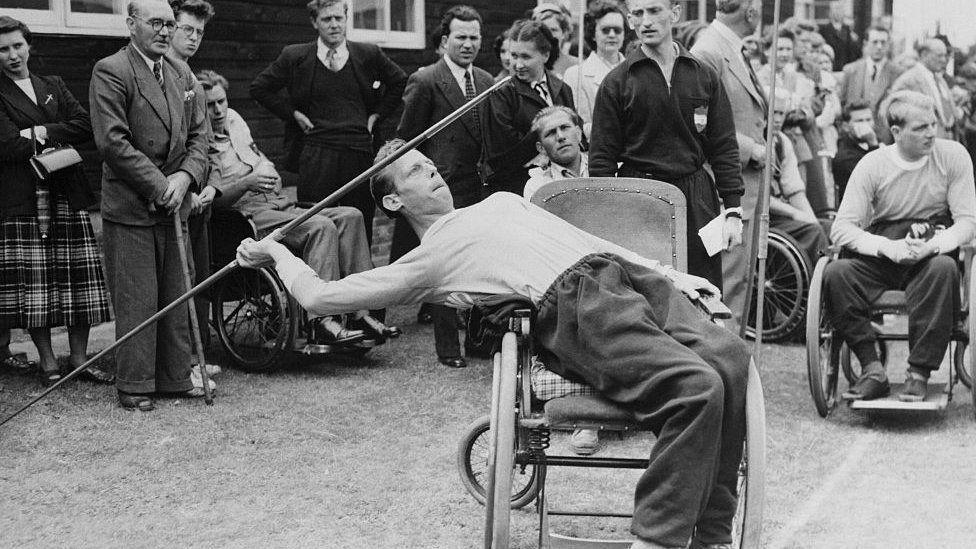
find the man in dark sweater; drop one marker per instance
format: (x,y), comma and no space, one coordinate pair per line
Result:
(662,114)
(337,91)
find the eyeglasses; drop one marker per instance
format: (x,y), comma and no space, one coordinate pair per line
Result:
(158,24)
(190,31)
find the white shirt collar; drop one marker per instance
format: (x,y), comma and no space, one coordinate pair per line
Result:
(149,62)
(557,172)
(458,71)
(725,32)
(341,52)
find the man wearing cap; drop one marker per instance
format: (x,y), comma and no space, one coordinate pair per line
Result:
(662,114)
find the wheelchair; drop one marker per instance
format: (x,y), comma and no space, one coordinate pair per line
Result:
(502,458)
(828,356)
(254,317)
(785,290)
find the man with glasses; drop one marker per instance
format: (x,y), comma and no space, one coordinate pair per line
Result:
(662,114)
(151,130)
(192,17)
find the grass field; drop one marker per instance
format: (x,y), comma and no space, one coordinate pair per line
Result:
(350,453)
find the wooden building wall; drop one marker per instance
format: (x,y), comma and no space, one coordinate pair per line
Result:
(242,39)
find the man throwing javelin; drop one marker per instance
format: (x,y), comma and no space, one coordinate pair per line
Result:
(619,321)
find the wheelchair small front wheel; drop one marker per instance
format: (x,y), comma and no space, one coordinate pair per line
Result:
(472,463)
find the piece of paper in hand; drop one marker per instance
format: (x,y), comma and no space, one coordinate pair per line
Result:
(711,235)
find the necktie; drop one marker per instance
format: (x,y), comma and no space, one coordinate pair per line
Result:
(469,94)
(330,60)
(158,73)
(540,88)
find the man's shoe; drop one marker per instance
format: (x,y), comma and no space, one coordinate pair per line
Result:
(868,388)
(585,442)
(197,379)
(915,389)
(196,392)
(330,332)
(453,362)
(374,329)
(212,369)
(135,402)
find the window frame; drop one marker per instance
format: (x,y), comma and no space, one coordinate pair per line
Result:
(404,40)
(59,19)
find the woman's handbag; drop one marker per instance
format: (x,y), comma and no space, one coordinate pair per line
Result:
(49,161)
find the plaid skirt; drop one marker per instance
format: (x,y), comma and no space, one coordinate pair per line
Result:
(52,282)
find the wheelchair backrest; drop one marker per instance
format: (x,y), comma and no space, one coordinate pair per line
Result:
(645,216)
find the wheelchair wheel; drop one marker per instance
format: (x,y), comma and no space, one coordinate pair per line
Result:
(747,524)
(472,461)
(253,318)
(972,336)
(501,446)
(822,349)
(784,300)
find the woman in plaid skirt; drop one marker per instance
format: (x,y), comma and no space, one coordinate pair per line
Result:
(50,268)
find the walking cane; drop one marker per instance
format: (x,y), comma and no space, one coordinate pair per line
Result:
(194,321)
(756,275)
(276,235)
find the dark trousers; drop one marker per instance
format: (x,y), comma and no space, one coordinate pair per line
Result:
(198,229)
(811,237)
(931,293)
(628,332)
(446,341)
(142,265)
(703,206)
(322,170)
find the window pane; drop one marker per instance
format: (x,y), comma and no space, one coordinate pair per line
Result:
(94,6)
(368,14)
(401,15)
(26,4)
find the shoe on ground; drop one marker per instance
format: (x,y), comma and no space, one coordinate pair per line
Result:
(915,389)
(197,379)
(453,362)
(18,363)
(374,329)
(868,388)
(97,375)
(330,332)
(135,402)
(585,442)
(51,377)
(212,369)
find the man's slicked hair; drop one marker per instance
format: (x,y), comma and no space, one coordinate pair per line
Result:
(460,12)
(316,6)
(536,127)
(208,79)
(899,105)
(201,9)
(382,183)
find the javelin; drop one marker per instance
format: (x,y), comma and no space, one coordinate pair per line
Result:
(756,275)
(276,235)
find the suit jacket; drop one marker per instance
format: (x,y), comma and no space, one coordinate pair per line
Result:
(509,141)
(433,93)
(67,123)
(145,134)
(918,78)
(748,105)
(381,83)
(852,86)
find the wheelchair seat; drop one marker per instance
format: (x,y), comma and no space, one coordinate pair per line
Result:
(587,412)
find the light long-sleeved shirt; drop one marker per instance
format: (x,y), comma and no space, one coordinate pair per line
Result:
(502,245)
(885,187)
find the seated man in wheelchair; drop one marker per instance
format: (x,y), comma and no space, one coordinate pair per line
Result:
(559,137)
(886,225)
(789,209)
(620,322)
(333,242)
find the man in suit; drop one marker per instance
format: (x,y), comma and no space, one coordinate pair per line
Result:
(432,93)
(928,77)
(152,137)
(337,91)
(720,47)
(869,78)
(840,38)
